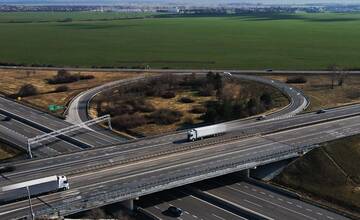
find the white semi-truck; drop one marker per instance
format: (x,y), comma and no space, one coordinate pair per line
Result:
(203,132)
(36,187)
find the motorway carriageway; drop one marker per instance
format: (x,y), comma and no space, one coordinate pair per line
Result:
(17,133)
(102,138)
(131,176)
(86,136)
(193,207)
(148,146)
(265,201)
(227,191)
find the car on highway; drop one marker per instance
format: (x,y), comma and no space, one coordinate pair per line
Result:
(6,118)
(321,111)
(175,211)
(268,70)
(5,169)
(261,117)
(228,73)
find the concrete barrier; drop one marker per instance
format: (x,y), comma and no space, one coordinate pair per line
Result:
(145,214)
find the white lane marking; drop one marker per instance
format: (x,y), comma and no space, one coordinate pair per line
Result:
(216,216)
(216,207)
(253,203)
(290,210)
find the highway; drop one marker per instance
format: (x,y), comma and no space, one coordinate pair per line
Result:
(193,207)
(130,180)
(172,142)
(115,171)
(17,133)
(27,122)
(38,122)
(231,191)
(264,201)
(95,136)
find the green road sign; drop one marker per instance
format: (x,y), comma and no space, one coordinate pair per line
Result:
(54,108)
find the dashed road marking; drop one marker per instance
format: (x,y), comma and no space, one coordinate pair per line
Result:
(216,216)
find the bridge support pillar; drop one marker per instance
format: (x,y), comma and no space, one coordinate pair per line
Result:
(247,173)
(244,173)
(129,204)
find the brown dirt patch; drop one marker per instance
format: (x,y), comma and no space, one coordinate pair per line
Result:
(318,89)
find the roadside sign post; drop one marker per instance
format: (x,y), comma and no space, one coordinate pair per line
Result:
(29,150)
(30,204)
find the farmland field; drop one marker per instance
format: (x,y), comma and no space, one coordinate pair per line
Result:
(258,41)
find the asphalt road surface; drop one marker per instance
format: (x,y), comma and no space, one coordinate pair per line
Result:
(100,186)
(88,137)
(193,207)
(266,202)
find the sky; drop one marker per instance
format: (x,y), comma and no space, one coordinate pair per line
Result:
(183,1)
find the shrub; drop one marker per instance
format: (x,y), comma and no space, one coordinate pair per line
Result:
(296,79)
(165,116)
(84,77)
(27,90)
(211,115)
(207,90)
(198,109)
(188,120)
(168,95)
(62,89)
(186,100)
(64,76)
(127,121)
(266,99)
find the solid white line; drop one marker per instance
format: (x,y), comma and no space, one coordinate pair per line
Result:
(216,216)
(253,203)
(271,202)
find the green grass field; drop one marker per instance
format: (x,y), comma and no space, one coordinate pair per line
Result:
(299,41)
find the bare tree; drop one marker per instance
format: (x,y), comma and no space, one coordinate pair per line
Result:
(342,76)
(337,75)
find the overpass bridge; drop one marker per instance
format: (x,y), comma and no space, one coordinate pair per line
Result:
(129,180)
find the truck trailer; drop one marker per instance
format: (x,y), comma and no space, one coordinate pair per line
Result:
(37,187)
(203,132)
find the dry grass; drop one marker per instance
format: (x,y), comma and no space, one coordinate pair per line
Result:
(7,152)
(318,89)
(174,104)
(12,80)
(335,180)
